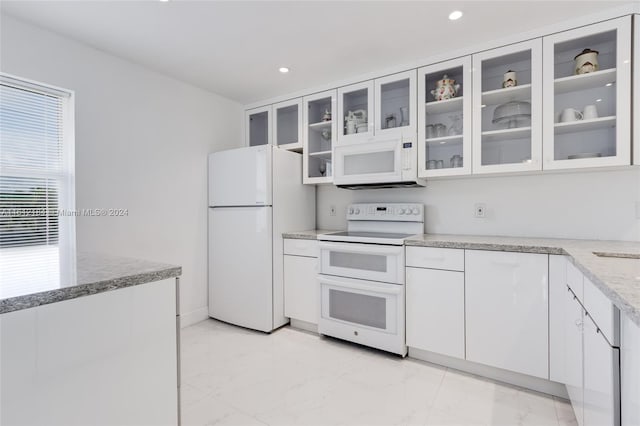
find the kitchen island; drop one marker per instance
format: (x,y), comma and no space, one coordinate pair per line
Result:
(100,348)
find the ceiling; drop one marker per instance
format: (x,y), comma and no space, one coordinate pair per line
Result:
(235,48)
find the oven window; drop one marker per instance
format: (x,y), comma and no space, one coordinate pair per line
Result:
(360,261)
(358,308)
(373,162)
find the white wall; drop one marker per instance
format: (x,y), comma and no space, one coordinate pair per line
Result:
(142,141)
(591,205)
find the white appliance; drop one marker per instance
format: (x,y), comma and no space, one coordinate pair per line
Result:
(362,293)
(255,194)
(389,163)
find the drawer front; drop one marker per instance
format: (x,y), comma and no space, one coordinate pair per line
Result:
(436,258)
(604,313)
(297,247)
(371,262)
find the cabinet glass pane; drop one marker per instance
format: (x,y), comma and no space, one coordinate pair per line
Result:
(395,104)
(506,109)
(287,125)
(356,116)
(585,97)
(358,308)
(363,262)
(319,137)
(259,128)
(444,119)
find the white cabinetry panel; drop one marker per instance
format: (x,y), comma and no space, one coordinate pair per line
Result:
(435,311)
(105,359)
(507,310)
(557,290)
(574,317)
(630,372)
(301,288)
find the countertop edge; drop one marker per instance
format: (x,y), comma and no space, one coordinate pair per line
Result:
(59,295)
(488,246)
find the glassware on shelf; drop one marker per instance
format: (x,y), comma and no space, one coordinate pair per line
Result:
(390,121)
(512,114)
(326,116)
(456,125)
(404,116)
(456,161)
(430,131)
(440,130)
(322,167)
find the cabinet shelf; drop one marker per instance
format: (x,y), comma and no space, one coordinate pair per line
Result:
(325,155)
(591,80)
(500,96)
(506,134)
(445,139)
(320,125)
(441,107)
(584,125)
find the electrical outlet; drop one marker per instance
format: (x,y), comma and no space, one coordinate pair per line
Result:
(480,210)
(332,210)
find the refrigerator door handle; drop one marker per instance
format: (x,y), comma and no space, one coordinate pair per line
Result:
(261,173)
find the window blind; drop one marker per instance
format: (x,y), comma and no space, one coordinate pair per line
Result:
(32,166)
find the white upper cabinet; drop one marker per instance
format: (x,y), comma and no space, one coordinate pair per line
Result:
(395,105)
(507,108)
(355,112)
(587,101)
(319,136)
(444,118)
(287,124)
(257,130)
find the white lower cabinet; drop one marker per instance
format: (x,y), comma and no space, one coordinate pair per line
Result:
(573,366)
(301,288)
(507,311)
(629,372)
(601,378)
(557,295)
(435,311)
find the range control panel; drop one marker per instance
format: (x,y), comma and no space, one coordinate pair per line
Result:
(401,212)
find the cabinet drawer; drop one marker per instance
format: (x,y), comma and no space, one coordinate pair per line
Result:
(297,247)
(436,258)
(604,313)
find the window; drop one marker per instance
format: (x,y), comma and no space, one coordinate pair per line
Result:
(37,226)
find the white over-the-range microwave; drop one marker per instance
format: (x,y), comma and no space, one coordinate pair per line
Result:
(377,163)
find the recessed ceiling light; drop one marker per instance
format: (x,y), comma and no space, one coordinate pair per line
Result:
(609,84)
(456,14)
(599,100)
(283,70)
(164,1)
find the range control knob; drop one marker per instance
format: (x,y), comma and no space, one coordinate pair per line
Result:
(400,211)
(415,211)
(351,210)
(357,211)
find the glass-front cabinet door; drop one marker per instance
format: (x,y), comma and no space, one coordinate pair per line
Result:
(257,129)
(587,77)
(319,136)
(444,118)
(287,124)
(507,108)
(636,90)
(355,113)
(395,105)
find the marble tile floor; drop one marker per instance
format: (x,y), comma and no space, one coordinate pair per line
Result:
(233,376)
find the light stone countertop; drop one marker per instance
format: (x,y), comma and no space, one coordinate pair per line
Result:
(617,278)
(305,235)
(95,273)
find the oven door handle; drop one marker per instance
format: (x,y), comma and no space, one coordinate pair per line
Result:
(371,249)
(369,286)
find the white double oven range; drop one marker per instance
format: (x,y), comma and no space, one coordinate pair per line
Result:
(362,275)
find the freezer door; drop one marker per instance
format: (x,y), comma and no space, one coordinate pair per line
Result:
(240,177)
(240,266)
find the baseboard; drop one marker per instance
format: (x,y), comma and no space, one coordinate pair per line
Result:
(497,374)
(304,325)
(193,317)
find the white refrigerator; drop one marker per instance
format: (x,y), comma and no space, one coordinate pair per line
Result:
(255,194)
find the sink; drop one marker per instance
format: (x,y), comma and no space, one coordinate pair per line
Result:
(618,255)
